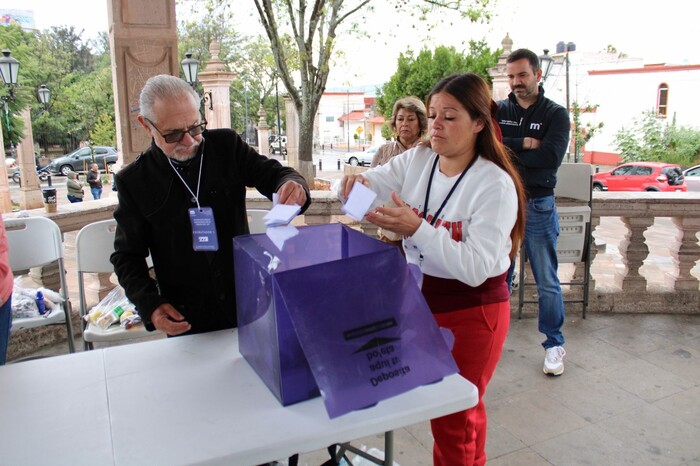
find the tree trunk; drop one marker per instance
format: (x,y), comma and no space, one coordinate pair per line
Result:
(306,144)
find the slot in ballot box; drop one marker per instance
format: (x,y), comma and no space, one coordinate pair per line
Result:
(337,313)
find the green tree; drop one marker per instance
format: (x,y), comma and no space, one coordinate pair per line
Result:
(417,76)
(312,30)
(583,134)
(651,138)
(104,131)
(22,45)
(205,22)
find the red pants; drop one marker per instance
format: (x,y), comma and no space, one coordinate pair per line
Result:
(480,331)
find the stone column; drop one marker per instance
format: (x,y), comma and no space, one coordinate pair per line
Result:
(263,134)
(143,43)
(292,127)
(30,196)
(5,199)
(498,73)
(216,80)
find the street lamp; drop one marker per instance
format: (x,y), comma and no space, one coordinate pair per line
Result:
(546,62)
(190,67)
(9,70)
(44,95)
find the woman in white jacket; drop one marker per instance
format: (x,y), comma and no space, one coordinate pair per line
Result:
(460,211)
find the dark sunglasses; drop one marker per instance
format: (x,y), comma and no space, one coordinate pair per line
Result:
(177,136)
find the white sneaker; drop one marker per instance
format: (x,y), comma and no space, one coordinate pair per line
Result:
(554,360)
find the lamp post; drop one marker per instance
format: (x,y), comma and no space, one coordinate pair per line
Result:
(546,63)
(9,70)
(348,120)
(190,67)
(279,120)
(245,89)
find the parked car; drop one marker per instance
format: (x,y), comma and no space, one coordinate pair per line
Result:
(641,176)
(361,158)
(278,145)
(10,163)
(81,159)
(692,178)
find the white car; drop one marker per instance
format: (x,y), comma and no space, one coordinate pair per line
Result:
(692,178)
(10,163)
(361,158)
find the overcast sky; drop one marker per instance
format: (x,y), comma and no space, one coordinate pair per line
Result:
(657,33)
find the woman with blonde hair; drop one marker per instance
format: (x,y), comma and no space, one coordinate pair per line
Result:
(409,123)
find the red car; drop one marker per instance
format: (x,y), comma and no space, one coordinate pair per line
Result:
(641,176)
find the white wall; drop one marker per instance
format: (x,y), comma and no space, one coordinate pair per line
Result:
(623,88)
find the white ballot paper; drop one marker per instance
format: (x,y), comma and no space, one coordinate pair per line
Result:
(281,214)
(279,235)
(277,222)
(359,201)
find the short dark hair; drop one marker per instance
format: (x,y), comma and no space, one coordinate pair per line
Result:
(525,53)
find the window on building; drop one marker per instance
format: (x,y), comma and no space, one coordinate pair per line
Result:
(662,101)
(330,119)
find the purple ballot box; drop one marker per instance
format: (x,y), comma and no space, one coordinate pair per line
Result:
(336,313)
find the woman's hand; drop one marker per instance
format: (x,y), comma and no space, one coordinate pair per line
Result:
(348,182)
(401,220)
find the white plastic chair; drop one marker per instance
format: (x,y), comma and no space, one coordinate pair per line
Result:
(93,246)
(256,220)
(574,182)
(35,242)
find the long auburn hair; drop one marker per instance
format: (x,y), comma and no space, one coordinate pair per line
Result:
(475,96)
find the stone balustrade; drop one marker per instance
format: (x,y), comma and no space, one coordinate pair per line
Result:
(617,285)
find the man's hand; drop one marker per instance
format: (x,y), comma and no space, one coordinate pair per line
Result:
(348,182)
(531,143)
(402,219)
(169,321)
(292,193)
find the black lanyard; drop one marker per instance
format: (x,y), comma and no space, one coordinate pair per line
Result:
(430,183)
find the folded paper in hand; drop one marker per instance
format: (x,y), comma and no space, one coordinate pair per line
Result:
(359,201)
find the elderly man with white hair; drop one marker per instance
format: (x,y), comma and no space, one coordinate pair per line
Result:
(182,201)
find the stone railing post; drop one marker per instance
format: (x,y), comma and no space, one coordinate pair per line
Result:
(634,250)
(686,252)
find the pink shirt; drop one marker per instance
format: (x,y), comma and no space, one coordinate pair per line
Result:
(6,277)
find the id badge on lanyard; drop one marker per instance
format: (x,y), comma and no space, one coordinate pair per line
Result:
(203,229)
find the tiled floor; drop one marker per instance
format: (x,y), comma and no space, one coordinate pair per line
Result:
(630,395)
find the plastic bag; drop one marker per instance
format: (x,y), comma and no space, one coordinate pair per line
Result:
(114,308)
(24,299)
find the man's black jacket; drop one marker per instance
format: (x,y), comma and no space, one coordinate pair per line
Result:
(152,218)
(546,121)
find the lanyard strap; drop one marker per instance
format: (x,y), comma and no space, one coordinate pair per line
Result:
(199,176)
(454,186)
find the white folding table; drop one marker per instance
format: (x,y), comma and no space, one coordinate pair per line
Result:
(184,400)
